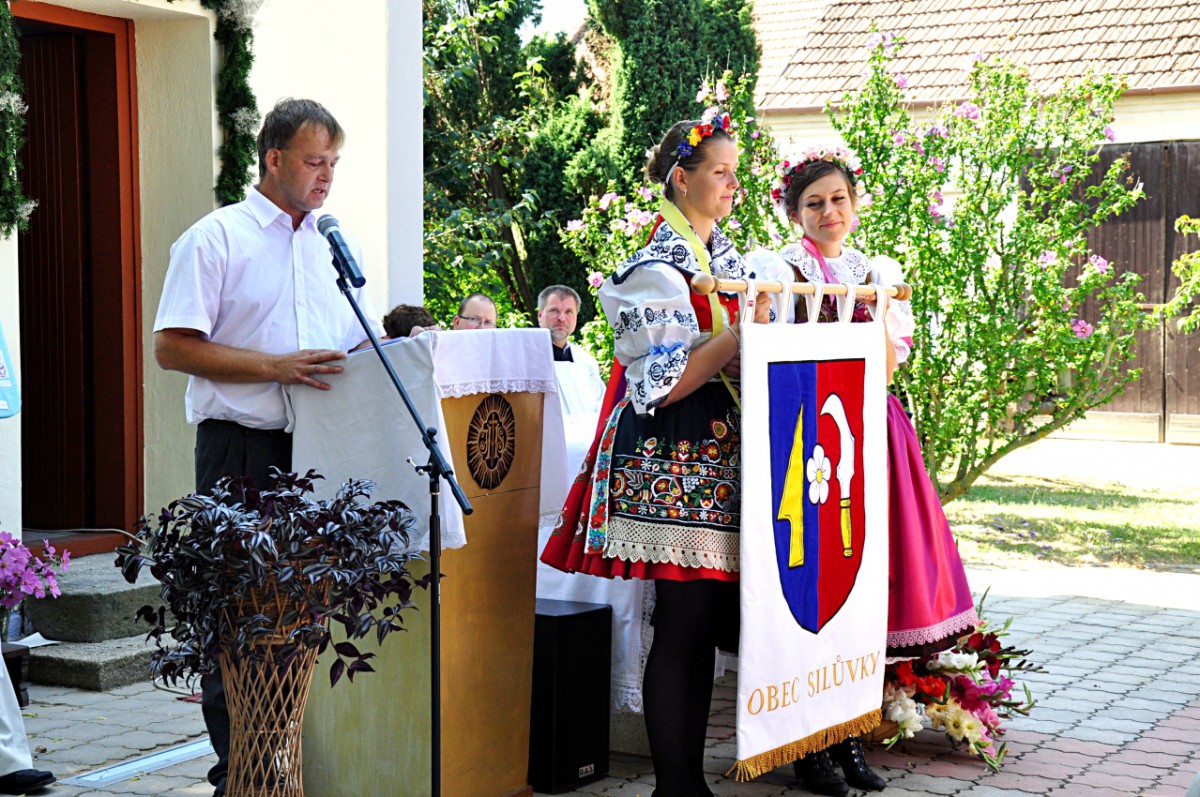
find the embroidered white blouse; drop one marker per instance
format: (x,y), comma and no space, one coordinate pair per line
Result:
(852,266)
(648,304)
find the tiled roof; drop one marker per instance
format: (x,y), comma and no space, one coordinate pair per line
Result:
(781,25)
(814,52)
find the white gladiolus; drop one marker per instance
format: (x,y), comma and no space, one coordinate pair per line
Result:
(900,708)
(955,662)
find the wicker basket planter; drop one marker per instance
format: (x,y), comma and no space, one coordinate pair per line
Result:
(266,699)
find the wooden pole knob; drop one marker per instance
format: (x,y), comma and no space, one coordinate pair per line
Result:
(704,284)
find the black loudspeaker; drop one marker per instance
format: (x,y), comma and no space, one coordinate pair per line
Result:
(568,732)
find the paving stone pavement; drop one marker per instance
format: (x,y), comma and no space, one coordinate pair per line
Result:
(1118,713)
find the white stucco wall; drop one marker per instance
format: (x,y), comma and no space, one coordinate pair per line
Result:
(1157,117)
(1139,118)
(336,54)
(405,148)
(177,140)
(10,428)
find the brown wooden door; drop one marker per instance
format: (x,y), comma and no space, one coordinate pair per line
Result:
(1181,353)
(55,285)
(1164,404)
(1135,242)
(78,272)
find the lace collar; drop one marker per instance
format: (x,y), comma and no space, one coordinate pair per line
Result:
(850,266)
(670,248)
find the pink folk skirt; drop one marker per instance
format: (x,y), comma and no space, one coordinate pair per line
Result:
(929,600)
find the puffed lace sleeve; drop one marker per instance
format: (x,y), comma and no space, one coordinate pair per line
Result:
(900,321)
(654,328)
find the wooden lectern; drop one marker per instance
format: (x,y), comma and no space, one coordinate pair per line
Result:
(372,737)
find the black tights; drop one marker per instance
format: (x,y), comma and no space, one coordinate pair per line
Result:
(690,618)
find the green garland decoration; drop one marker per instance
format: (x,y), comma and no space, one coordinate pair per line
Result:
(237,109)
(15,207)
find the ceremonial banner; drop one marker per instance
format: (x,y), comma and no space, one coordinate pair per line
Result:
(814,575)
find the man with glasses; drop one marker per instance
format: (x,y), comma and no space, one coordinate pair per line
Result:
(477,311)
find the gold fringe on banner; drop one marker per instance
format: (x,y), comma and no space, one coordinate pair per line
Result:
(762,763)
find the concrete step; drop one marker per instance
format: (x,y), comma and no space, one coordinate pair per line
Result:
(98,666)
(96,604)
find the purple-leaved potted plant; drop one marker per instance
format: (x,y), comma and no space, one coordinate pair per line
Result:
(250,581)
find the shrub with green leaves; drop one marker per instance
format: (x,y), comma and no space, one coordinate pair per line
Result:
(483,100)
(1187,271)
(665,48)
(1021,329)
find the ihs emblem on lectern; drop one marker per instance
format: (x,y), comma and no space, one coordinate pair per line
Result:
(491,441)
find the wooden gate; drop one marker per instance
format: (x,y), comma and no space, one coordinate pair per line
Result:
(1164,404)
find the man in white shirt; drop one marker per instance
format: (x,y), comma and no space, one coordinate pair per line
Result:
(579,382)
(251,304)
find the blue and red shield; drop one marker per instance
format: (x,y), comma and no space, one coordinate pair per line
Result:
(817,483)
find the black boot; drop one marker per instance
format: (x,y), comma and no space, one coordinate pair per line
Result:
(818,774)
(854,763)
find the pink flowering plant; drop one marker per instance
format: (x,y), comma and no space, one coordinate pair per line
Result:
(991,203)
(966,692)
(24,575)
(615,225)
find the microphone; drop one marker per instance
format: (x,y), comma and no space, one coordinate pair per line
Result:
(345,262)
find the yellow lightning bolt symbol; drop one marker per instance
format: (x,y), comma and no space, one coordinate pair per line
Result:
(791,503)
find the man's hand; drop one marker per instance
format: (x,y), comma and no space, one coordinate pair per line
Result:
(187,350)
(299,367)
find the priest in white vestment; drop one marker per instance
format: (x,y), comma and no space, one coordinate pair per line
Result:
(579,384)
(17,775)
(582,392)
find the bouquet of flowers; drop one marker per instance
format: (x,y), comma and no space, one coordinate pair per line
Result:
(22,574)
(966,692)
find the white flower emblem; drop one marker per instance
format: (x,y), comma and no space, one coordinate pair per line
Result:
(818,470)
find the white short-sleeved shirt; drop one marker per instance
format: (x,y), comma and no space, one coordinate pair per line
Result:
(242,277)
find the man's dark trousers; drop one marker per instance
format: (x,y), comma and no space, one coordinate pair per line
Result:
(222,448)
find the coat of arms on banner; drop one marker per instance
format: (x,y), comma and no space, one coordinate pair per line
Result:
(817,507)
(814,541)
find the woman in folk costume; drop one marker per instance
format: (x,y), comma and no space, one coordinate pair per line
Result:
(659,495)
(929,601)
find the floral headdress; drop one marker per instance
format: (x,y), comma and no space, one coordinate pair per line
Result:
(837,155)
(712,120)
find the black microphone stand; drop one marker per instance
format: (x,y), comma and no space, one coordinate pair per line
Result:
(437,469)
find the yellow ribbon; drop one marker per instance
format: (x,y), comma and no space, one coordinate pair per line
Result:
(679,223)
